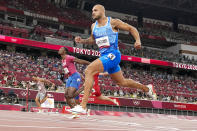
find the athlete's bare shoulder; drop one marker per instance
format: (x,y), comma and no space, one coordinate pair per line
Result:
(92,26)
(119,24)
(115,21)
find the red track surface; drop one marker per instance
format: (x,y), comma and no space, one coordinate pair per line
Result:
(28,121)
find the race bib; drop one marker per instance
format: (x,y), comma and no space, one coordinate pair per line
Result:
(111,56)
(64,63)
(66,71)
(103,41)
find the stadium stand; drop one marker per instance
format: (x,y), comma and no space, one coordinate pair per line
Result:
(17,70)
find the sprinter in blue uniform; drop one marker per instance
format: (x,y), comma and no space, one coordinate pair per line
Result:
(105,35)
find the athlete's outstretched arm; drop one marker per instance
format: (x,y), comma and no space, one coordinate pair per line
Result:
(118,24)
(35,78)
(89,40)
(80,61)
(46,81)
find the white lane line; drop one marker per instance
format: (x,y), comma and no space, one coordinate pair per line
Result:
(52,127)
(57,119)
(97,123)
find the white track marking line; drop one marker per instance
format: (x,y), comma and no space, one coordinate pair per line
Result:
(160,116)
(53,127)
(82,118)
(101,123)
(88,119)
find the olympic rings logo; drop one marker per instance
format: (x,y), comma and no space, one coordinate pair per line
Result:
(24,93)
(136,103)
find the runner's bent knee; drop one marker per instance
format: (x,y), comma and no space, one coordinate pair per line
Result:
(121,83)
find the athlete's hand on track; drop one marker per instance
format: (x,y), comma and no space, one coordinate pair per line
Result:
(137,45)
(78,39)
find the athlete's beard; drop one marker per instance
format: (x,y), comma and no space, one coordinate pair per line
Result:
(97,18)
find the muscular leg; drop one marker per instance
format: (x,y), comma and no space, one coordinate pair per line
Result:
(77,94)
(71,102)
(67,97)
(37,102)
(68,101)
(95,67)
(44,99)
(65,92)
(77,102)
(121,81)
(78,91)
(101,97)
(70,97)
